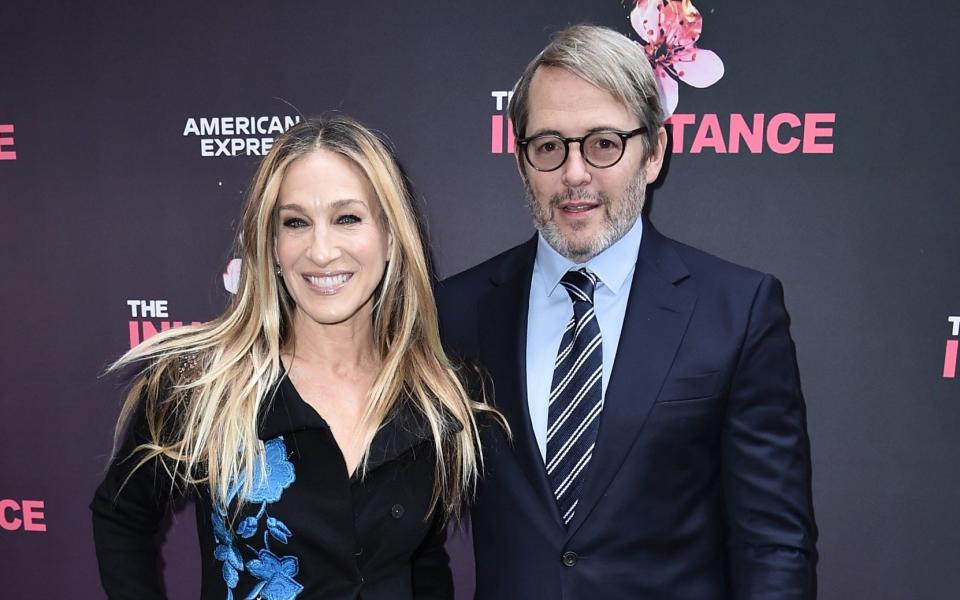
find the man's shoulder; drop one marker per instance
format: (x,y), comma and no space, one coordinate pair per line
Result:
(706,262)
(483,273)
(713,273)
(459,296)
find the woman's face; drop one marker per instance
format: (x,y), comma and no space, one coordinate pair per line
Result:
(330,243)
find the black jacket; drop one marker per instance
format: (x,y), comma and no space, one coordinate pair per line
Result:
(699,485)
(307,531)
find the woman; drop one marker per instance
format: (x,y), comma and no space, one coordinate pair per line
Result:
(317,420)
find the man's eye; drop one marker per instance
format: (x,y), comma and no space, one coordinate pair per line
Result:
(547,147)
(605,143)
(348,219)
(294,223)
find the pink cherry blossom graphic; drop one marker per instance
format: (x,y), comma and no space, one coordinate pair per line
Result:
(669,30)
(231,276)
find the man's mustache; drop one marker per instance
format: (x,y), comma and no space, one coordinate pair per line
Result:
(577,194)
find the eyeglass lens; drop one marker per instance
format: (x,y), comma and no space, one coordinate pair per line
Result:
(601,149)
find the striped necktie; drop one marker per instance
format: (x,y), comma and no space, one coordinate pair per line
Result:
(576,397)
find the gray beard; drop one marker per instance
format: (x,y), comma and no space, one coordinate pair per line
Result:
(618,218)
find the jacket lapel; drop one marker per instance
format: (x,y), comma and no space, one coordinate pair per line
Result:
(656,319)
(503,347)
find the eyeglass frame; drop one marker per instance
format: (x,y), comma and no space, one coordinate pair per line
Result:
(623,135)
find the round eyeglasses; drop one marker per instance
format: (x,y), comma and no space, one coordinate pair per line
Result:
(601,149)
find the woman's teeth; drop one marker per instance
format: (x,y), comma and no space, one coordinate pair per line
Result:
(328,282)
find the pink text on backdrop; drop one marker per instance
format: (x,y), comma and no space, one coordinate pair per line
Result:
(143,330)
(781,133)
(26,514)
(6,143)
(950,359)
(950,354)
(501,135)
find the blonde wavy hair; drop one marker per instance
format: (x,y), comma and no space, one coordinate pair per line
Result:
(203,386)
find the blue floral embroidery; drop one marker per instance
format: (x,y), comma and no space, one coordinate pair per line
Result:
(225,551)
(279,474)
(274,574)
(278,530)
(247,527)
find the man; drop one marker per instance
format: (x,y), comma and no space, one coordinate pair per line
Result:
(659,447)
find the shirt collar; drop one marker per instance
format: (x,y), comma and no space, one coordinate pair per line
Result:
(612,266)
(285,411)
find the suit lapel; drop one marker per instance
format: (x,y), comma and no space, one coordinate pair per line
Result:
(503,312)
(656,319)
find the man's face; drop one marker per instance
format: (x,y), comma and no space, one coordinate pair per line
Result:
(579,209)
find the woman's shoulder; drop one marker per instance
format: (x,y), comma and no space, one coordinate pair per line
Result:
(160,390)
(164,375)
(189,364)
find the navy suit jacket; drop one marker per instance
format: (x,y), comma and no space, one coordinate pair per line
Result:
(699,485)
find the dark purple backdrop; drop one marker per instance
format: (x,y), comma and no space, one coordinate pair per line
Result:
(105,200)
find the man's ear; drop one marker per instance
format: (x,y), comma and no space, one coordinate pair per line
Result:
(655,160)
(521,162)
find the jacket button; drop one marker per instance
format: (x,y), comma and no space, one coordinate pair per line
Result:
(396,511)
(569,558)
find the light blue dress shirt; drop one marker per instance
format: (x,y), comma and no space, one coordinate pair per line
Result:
(551,310)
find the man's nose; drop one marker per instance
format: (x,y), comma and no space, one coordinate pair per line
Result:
(576,171)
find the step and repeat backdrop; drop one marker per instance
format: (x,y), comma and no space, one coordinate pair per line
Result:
(813,140)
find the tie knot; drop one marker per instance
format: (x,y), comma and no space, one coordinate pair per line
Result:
(580,285)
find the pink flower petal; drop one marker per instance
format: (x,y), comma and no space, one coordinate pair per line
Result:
(669,92)
(699,68)
(645,18)
(231,275)
(681,28)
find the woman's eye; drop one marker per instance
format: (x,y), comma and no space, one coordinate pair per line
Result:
(294,223)
(347,219)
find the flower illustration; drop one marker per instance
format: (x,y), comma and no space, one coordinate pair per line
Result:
(669,30)
(275,576)
(231,276)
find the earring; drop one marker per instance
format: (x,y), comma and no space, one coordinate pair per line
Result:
(279,272)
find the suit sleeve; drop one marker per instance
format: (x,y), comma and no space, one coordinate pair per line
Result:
(128,508)
(766,461)
(432,579)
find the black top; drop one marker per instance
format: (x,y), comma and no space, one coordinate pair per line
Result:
(307,531)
